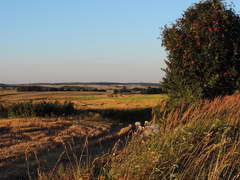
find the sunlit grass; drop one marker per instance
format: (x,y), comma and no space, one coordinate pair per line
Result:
(85,100)
(118,98)
(142,98)
(199,141)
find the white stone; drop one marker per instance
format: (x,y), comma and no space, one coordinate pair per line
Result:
(137,124)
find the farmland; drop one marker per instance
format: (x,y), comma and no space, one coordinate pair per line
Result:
(85,100)
(31,144)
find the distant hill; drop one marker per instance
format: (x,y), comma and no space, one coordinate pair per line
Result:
(71,86)
(96,83)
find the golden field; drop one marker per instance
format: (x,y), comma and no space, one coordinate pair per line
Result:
(84,100)
(34,143)
(195,141)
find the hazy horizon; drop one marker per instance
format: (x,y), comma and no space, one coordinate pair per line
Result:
(85,41)
(84,82)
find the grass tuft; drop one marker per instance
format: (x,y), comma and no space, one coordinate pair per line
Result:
(198,141)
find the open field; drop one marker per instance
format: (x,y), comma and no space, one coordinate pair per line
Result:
(84,100)
(20,136)
(34,143)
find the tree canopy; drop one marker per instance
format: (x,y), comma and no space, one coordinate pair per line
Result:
(203,48)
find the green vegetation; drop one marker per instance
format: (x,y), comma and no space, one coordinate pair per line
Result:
(83,98)
(43,109)
(3,111)
(203,52)
(121,98)
(64,88)
(140,98)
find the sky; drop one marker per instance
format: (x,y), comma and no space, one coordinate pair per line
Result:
(85,40)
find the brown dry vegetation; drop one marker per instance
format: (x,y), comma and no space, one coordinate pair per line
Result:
(200,141)
(197,141)
(28,145)
(24,135)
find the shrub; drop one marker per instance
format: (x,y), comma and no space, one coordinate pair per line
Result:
(203,52)
(68,108)
(3,111)
(42,109)
(22,110)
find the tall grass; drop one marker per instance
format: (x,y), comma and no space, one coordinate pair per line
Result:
(198,141)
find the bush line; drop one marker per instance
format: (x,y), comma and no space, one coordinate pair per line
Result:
(42,109)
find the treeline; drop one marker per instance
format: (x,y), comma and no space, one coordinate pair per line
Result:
(65,88)
(123,90)
(149,90)
(42,109)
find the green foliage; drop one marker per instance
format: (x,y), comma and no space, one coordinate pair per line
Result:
(203,52)
(43,109)
(3,111)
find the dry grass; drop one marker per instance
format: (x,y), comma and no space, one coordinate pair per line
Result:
(39,134)
(40,141)
(198,141)
(201,141)
(84,100)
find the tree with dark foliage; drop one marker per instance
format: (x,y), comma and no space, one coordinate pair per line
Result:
(203,52)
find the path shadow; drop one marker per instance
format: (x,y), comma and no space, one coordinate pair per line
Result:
(126,116)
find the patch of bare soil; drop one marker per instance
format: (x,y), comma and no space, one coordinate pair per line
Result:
(31,144)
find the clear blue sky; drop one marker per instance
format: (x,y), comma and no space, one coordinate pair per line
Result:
(85,40)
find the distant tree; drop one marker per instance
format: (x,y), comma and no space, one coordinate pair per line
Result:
(203,52)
